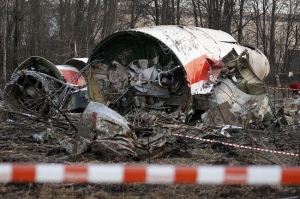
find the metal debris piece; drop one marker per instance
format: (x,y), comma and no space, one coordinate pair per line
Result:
(100,124)
(226,127)
(220,115)
(238,108)
(110,135)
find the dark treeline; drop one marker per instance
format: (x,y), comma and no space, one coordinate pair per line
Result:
(61,29)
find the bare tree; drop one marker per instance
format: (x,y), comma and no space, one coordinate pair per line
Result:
(178,12)
(173,12)
(241,18)
(156,12)
(228,12)
(195,13)
(272,33)
(164,12)
(292,39)
(200,12)
(4,39)
(133,13)
(109,18)
(17,32)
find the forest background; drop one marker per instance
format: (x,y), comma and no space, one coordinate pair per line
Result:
(62,29)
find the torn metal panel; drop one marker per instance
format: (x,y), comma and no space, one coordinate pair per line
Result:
(78,100)
(72,71)
(98,123)
(72,75)
(202,74)
(248,108)
(98,83)
(78,63)
(118,77)
(40,64)
(220,115)
(243,75)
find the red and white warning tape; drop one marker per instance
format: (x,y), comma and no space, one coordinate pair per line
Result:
(158,174)
(278,88)
(237,145)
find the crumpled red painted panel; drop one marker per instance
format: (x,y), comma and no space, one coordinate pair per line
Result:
(198,69)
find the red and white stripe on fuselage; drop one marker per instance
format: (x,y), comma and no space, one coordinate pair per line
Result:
(69,72)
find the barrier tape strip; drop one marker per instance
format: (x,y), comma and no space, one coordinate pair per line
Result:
(158,174)
(237,145)
(278,88)
(288,73)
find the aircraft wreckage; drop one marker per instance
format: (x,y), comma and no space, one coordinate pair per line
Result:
(40,86)
(168,75)
(143,78)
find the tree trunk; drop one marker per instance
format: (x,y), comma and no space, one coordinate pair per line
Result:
(17,32)
(164,12)
(62,11)
(104,20)
(79,28)
(227,15)
(133,14)
(178,13)
(210,13)
(156,12)
(173,12)
(240,27)
(213,11)
(200,13)
(272,35)
(4,40)
(195,13)
(264,36)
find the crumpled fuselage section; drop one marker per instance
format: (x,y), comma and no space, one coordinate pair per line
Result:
(160,75)
(175,68)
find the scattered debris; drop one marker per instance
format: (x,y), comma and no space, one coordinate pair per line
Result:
(183,76)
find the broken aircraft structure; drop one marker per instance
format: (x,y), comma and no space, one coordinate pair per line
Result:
(40,86)
(169,74)
(176,68)
(142,79)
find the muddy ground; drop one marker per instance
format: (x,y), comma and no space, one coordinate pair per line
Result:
(19,145)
